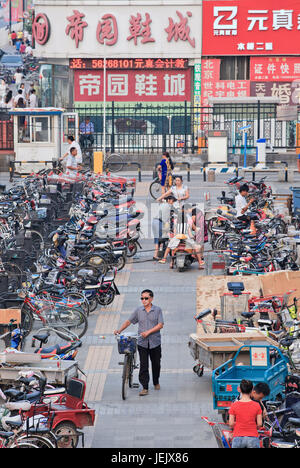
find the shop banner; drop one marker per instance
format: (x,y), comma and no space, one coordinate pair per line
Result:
(132,85)
(256,28)
(212,86)
(127,30)
(287,92)
(274,68)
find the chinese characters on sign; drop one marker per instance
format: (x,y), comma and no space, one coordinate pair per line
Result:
(264,28)
(259,357)
(274,69)
(139,28)
(212,86)
(75,28)
(107,30)
(129,64)
(288,93)
(130,85)
(41,29)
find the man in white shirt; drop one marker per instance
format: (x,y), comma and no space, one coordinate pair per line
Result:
(18,96)
(73,144)
(71,164)
(241,204)
(18,76)
(28,50)
(32,99)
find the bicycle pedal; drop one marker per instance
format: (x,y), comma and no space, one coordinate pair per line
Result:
(121,363)
(135,385)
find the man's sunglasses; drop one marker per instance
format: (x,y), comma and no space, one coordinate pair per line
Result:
(145,298)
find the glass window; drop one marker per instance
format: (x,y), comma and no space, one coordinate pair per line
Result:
(235,68)
(41,129)
(23,129)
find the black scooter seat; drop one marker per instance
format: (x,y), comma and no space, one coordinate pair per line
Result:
(247,315)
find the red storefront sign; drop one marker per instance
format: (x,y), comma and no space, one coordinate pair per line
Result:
(128,64)
(132,85)
(256,28)
(212,86)
(274,68)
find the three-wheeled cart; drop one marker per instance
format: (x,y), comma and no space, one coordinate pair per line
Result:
(212,350)
(70,414)
(252,361)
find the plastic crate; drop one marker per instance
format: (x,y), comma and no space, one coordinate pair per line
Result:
(126,345)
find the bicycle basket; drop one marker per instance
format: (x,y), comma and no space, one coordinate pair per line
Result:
(126,345)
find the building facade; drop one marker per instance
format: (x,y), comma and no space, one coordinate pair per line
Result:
(174,58)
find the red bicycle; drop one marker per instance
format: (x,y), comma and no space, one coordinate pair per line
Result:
(58,315)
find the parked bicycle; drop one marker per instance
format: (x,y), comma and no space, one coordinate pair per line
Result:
(127,345)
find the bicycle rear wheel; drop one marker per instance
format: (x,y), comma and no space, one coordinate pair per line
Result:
(155,189)
(114,162)
(70,318)
(125,375)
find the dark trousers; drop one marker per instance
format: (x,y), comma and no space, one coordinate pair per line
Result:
(155,357)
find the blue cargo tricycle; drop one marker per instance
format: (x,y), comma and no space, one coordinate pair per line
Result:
(251,362)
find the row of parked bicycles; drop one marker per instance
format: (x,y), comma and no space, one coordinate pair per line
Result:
(257,242)
(62,243)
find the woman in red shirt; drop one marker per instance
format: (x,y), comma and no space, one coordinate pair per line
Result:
(245,417)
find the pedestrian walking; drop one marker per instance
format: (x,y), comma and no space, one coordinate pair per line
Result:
(19,96)
(32,99)
(13,38)
(18,76)
(164,170)
(245,417)
(22,47)
(150,321)
(161,223)
(9,101)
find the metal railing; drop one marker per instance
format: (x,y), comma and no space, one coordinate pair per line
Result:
(183,128)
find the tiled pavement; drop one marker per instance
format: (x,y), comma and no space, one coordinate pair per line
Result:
(171,417)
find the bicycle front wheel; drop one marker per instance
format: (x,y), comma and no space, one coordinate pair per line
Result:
(114,162)
(125,375)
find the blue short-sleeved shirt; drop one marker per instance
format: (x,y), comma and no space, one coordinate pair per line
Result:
(146,321)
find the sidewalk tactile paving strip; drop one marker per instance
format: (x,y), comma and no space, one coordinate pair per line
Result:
(98,358)
(116,306)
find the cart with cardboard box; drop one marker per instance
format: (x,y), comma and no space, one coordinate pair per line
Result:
(211,350)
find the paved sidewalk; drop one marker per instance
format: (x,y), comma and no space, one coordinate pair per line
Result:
(171,417)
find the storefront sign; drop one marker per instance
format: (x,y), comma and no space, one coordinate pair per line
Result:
(212,86)
(41,29)
(130,85)
(288,93)
(197,84)
(262,28)
(274,68)
(127,30)
(128,64)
